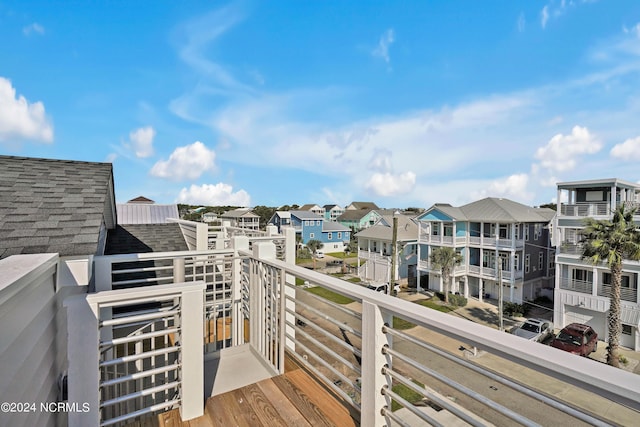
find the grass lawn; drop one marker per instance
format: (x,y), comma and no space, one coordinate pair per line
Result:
(331,296)
(434,305)
(354,280)
(402,324)
(342,255)
(406,393)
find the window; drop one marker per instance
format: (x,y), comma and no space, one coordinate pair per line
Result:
(583,275)
(339,235)
(503,231)
(330,236)
(527,261)
(318,222)
(517,231)
(435,229)
(552,263)
(311,235)
(448,230)
(606,280)
(526,232)
(626,329)
(540,260)
(516,262)
(537,231)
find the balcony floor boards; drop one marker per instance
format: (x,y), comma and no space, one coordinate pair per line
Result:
(292,399)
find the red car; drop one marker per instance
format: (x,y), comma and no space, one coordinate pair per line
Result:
(576,338)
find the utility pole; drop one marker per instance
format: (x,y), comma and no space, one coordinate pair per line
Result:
(394,238)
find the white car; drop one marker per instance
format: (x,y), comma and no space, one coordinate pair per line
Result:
(382,287)
(319,254)
(534,330)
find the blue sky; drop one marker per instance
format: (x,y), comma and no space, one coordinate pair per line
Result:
(280,102)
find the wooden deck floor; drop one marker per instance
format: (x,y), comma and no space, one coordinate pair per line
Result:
(292,399)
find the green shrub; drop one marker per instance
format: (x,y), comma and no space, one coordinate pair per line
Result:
(542,300)
(407,394)
(457,300)
(513,309)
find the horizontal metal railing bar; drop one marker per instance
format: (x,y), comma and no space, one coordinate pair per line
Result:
(137,301)
(327,318)
(141,393)
(327,365)
(139,356)
(512,415)
(145,311)
(149,410)
(139,337)
(142,374)
(444,403)
(422,415)
(328,350)
(147,256)
(142,269)
(117,283)
(325,301)
(324,332)
(327,381)
(502,380)
(139,317)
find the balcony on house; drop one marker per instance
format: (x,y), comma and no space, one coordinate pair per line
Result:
(596,198)
(207,335)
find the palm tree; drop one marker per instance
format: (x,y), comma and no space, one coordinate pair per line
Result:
(445,258)
(313,246)
(611,242)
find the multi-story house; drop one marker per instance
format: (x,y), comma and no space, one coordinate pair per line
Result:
(316,209)
(501,241)
(582,289)
(359,219)
(332,212)
(356,206)
(243,218)
(375,245)
(311,226)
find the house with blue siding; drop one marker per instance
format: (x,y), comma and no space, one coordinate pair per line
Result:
(503,244)
(311,226)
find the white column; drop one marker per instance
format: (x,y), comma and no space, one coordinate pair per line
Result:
(372,400)
(418,272)
(238,243)
(290,289)
(596,282)
(192,352)
(613,198)
(83,377)
(202,237)
(558,203)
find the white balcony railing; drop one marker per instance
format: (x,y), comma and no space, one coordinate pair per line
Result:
(374,256)
(582,286)
(359,352)
(626,294)
(586,209)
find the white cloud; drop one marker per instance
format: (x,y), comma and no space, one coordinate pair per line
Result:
(512,187)
(562,151)
(34,28)
(220,194)
(382,50)
(21,120)
(388,184)
(629,150)
(142,141)
(544,16)
(522,23)
(188,162)
(111,158)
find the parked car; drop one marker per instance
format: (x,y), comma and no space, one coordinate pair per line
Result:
(319,254)
(576,338)
(534,330)
(382,287)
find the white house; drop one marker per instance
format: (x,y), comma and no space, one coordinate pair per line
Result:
(582,289)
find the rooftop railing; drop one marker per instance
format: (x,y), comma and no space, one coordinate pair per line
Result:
(365,346)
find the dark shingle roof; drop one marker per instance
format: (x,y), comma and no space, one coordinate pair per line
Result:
(142,238)
(54,205)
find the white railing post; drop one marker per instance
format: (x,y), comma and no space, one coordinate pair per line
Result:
(238,243)
(178,270)
(102,273)
(202,236)
(271,230)
(373,380)
(83,378)
(257,295)
(290,289)
(191,336)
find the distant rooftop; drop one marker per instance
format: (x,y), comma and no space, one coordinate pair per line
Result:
(496,209)
(145,213)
